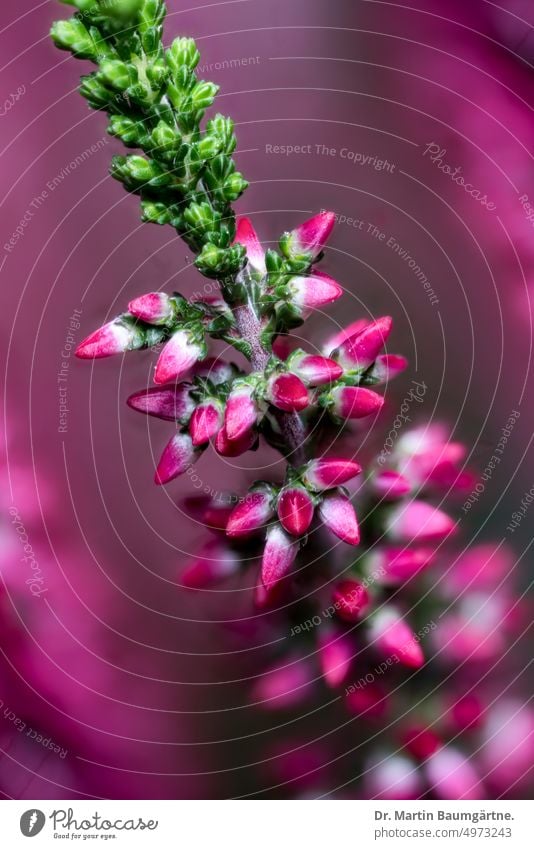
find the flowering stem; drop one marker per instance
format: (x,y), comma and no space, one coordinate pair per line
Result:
(249,327)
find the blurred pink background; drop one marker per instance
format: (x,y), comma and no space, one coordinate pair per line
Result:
(112,660)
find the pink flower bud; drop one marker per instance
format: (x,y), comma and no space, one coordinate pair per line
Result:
(421,742)
(480,567)
(345,333)
(205,422)
(392,636)
(390,485)
(397,565)
(465,713)
(315,370)
(350,599)
(252,514)
(452,776)
(241,413)
(287,392)
(311,236)
(179,354)
(355,402)
(177,457)
(285,685)
(278,556)
(172,403)
(393,777)
(335,656)
(115,337)
(418,522)
(154,308)
(235,447)
(314,292)
(338,515)
(362,349)
(214,563)
(295,510)
(246,236)
(370,701)
(328,472)
(388,366)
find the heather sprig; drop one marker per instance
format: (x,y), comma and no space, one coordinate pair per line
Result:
(184,173)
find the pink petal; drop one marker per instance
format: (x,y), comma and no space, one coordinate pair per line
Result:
(154,308)
(335,657)
(295,510)
(388,366)
(328,472)
(253,513)
(355,402)
(390,485)
(205,423)
(362,349)
(393,637)
(311,236)
(315,291)
(169,403)
(177,457)
(246,235)
(316,370)
(234,447)
(338,515)
(350,599)
(345,333)
(278,556)
(177,357)
(112,338)
(241,413)
(287,392)
(418,522)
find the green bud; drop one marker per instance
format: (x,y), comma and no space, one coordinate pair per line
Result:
(155,213)
(199,217)
(152,15)
(216,262)
(136,172)
(203,95)
(120,10)
(234,187)
(72,35)
(98,96)
(273,261)
(156,74)
(117,74)
(183,51)
(164,137)
(131,132)
(208,147)
(223,128)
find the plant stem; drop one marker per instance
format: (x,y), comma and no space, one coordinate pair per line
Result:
(291,426)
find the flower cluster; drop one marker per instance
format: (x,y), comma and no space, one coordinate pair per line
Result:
(221,403)
(394,604)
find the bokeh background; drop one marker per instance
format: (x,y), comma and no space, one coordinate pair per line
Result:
(142,686)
